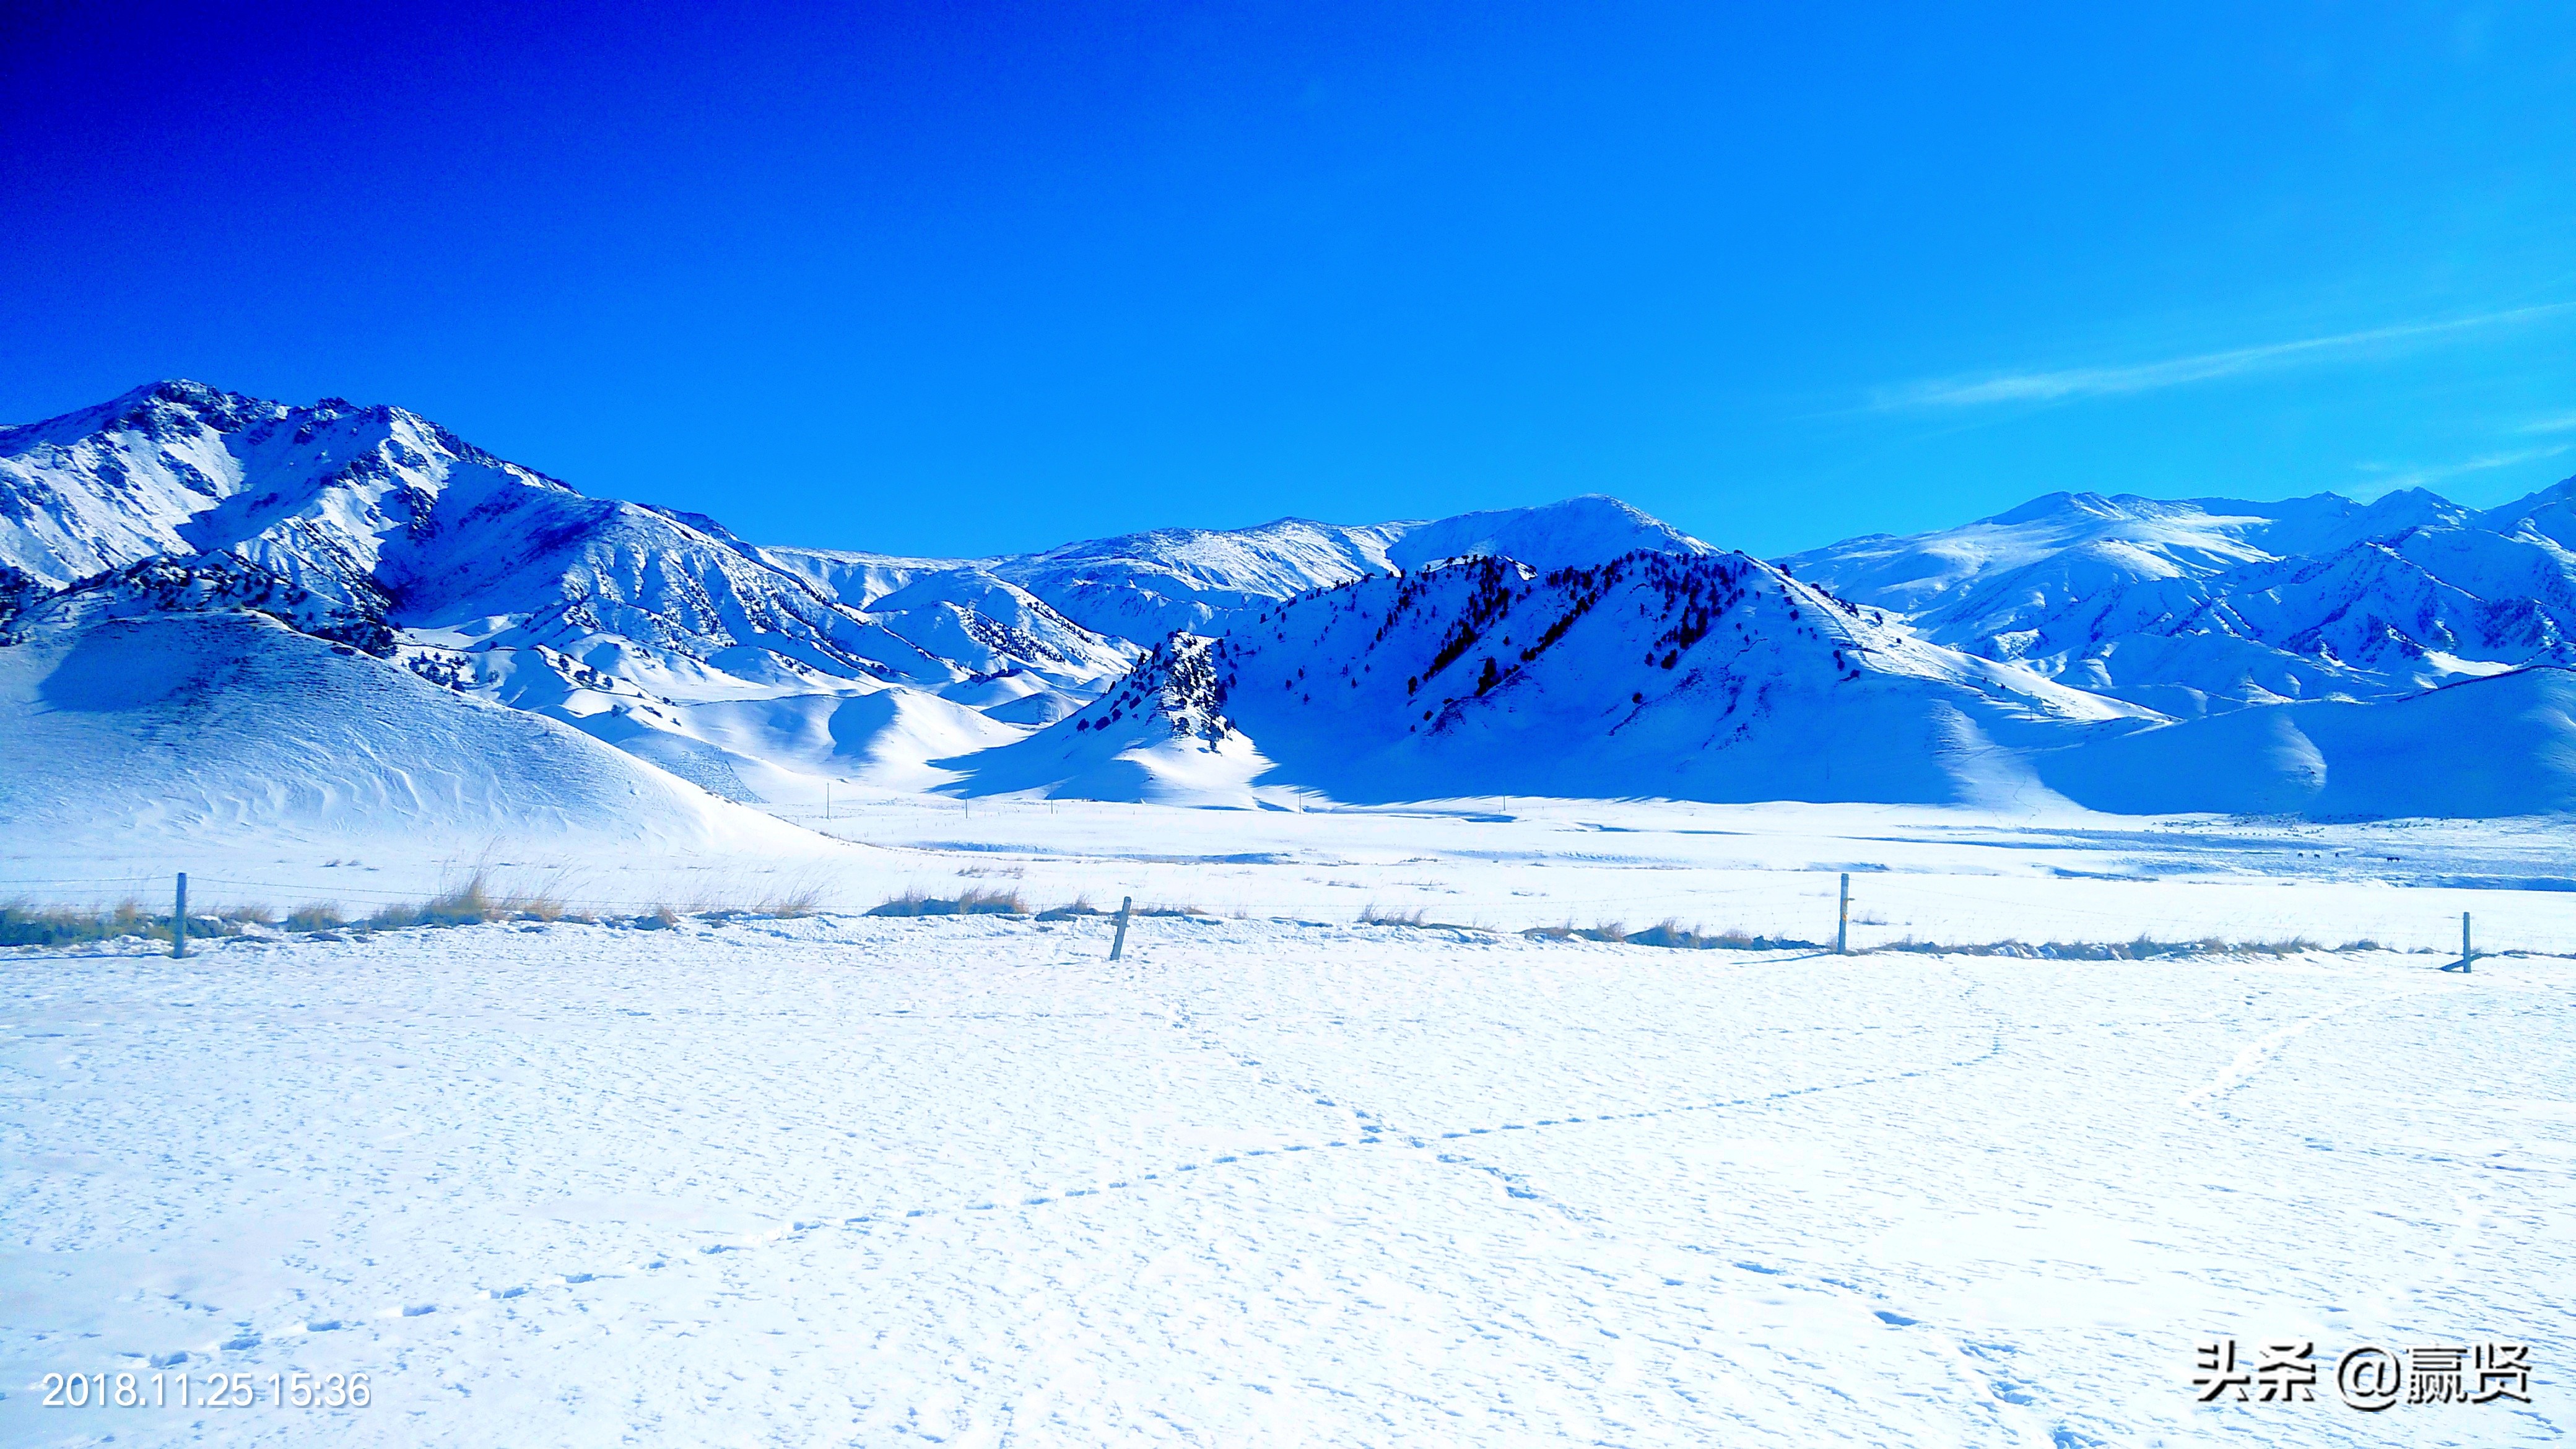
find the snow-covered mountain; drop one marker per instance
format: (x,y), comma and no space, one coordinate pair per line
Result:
(2317,655)
(1141,587)
(2209,605)
(644,626)
(1696,676)
(757,673)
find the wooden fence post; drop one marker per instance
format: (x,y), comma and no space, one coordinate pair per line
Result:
(1118,946)
(2467,952)
(1842,920)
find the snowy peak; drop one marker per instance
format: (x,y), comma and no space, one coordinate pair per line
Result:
(1144,586)
(2548,516)
(312,493)
(1590,529)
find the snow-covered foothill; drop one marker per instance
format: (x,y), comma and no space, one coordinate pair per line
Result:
(229,725)
(2483,748)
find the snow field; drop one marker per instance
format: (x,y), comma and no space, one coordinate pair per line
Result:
(965,1181)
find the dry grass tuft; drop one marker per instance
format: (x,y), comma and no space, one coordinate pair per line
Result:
(800,901)
(1669,934)
(970,902)
(2143,948)
(25,924)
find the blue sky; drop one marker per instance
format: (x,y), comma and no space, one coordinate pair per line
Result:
(958,278)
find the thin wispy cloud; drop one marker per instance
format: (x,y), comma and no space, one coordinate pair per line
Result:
(2562,423)
(2393,476)
(2060,384)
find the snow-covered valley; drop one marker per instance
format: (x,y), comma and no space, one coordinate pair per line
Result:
(2149,826)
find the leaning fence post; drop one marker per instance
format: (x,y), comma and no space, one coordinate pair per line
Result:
(1119,943)
(1842,920)
(179,920)
(2467,953)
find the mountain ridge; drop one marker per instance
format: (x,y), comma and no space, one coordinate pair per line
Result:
(1997,662)
(2228,603)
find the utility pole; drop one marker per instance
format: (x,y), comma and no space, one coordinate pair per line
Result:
(1842,920)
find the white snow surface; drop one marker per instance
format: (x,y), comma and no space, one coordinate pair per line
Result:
(966,1181)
